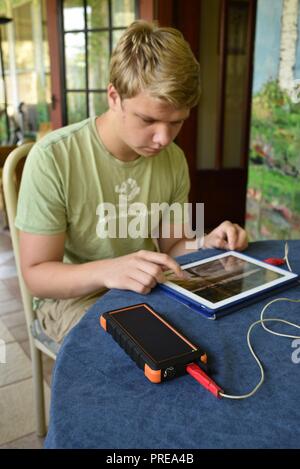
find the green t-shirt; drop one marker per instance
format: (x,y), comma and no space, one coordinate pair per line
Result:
(70,183)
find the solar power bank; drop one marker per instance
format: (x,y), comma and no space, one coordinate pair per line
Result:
(153,343)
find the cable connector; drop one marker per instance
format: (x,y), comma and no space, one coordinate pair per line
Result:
(202,378)
(275,261)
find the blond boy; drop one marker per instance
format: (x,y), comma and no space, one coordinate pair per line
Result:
(125,156)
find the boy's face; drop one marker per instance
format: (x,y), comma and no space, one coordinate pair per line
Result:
(145,124)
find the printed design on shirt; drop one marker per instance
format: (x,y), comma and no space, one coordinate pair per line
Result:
(129,218)
(115,219)
(128,189)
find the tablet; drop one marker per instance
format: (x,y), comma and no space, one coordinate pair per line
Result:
(222,283)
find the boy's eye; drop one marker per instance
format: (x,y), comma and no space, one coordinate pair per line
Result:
(148,121)
(152,121)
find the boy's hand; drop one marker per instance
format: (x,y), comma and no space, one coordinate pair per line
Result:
(139,271)
(228,236)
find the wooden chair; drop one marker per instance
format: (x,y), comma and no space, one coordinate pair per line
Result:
(39,342)
(4,152)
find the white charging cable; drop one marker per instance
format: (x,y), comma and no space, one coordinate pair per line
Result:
(262,321)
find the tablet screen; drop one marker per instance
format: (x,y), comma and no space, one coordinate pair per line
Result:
(221,279)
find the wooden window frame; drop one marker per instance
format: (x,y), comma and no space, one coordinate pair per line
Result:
(145,10)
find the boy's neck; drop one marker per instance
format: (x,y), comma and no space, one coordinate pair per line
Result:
(110,139)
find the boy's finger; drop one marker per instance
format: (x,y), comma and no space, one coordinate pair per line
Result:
(165,261)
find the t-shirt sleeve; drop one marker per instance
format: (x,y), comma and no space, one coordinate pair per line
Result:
(41,202)
(182,179)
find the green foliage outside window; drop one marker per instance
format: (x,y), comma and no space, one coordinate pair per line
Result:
(273,204)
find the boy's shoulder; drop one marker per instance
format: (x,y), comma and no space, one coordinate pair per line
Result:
(64,134)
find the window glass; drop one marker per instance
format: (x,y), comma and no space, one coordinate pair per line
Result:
(28,86)
(76,105)
(116,36)
(98,59)
(123,12)
(75,60)
(4,86)
(4,42)
(27,71)
(73,11)
(97,103)
(45,34)
(97,14)
(91,31)
(24,47)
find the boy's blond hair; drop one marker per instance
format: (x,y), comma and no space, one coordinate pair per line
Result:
(157,60)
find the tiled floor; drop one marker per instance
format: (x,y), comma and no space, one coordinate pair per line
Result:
(17,423)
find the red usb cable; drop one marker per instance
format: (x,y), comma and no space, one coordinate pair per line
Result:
(202,378)
(275,261)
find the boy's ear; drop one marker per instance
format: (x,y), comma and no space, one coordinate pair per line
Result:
(113,97)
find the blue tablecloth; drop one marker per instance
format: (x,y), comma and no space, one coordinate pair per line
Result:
(101,399)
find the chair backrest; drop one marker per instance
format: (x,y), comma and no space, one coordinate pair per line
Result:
(11,180)
(39,342)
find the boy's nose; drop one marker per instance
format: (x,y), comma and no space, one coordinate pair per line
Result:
(162,136)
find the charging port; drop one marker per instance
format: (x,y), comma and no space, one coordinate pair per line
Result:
(169,372)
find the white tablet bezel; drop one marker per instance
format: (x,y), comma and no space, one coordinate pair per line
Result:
(286,276)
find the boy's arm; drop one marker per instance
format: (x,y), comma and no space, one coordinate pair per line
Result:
(46,276)
(226,236)
(175,246)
